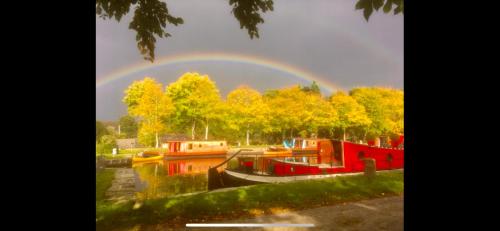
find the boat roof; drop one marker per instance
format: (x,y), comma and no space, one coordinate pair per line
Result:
(194,141)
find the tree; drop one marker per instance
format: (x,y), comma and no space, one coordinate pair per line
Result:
(147,101)
(350,113)
(248,111)
(384,107)
(150,20)
(369,5)
(247,13)
(314,88)
(106,144)
(128,126)
(151,17)
(317,113)
(100,130)
(196,100)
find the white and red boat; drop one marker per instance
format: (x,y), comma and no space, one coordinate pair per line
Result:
(315,158)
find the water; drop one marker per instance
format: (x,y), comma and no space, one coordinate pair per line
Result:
(165,178)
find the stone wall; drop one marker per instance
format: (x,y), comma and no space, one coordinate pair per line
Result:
(128,143)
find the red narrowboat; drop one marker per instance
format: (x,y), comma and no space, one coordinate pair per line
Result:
(327,157)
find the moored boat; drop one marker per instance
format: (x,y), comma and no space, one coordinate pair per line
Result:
(327,159)
(147,156)
(192,148)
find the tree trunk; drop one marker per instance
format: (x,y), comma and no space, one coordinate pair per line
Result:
(206,131)
(248,136)
(343,134)
(157,141)
(192,130)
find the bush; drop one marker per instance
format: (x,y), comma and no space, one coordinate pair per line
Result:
(106,144)
(371,136)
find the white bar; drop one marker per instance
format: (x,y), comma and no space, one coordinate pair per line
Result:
(247,225)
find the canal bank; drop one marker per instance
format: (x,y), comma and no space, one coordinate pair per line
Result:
(248,201)
(380,214)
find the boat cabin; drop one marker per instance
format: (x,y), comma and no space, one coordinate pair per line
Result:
(195,147)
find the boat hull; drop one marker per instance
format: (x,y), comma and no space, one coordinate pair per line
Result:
(196,154)
(248,179)
(137,159)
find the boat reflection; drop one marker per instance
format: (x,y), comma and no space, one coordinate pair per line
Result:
(166,177)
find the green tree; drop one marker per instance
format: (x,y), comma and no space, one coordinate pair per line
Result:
(314,88)
(368,6)
(106,144)
(196,100)
(128,126)
(350,113)
(152,16)
(100,130)
(149,21)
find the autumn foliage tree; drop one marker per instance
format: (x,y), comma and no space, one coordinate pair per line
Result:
(196,100)
(247,111)
(147,101)
(350,113)
(384,107)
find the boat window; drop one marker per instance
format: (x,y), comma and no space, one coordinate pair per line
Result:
(190,168)
(199,145)
(389,157)
(361,155)
(190,146)
(221,144)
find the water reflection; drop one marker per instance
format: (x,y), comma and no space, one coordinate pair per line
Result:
(172,177)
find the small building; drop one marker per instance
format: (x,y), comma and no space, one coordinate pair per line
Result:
(128,143)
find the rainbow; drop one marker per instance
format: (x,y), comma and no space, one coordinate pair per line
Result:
(222,57)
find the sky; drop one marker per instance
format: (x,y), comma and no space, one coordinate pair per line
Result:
(328,39)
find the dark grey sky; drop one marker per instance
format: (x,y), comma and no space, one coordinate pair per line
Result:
(325,37)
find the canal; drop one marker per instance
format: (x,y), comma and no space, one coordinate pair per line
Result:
(164,178)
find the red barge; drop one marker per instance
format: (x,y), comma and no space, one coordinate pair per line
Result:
(316,158)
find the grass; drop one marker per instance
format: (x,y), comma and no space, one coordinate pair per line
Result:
(249,201)
(103,182)
(127,153)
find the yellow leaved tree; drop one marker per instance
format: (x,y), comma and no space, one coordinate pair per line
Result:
(146,100)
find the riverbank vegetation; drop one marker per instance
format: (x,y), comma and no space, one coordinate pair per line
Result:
(193,107)
(103,182)
(249,201)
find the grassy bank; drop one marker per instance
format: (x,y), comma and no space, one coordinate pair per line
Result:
(103,182)
(127,153)
(249,201)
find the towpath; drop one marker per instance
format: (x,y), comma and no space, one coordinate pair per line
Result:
(371,215)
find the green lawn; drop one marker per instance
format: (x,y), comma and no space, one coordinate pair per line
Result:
(127,153)
(248,201)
